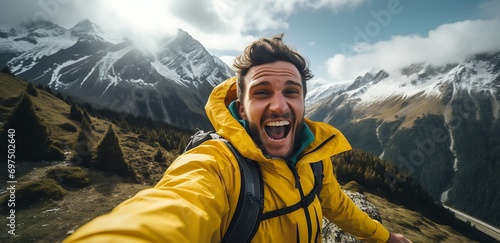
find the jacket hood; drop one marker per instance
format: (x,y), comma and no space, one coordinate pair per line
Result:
(328,140)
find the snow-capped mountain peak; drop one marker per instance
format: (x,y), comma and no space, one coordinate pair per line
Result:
(187,59)
(440,124)
(473,74)
(87,30)
(93,65)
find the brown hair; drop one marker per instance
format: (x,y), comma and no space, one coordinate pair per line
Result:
(264,51)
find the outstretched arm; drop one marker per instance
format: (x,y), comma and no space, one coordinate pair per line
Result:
(341,210)
(187,205)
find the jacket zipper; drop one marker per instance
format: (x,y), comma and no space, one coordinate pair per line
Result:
(302,196)
(297,185)
(319,146)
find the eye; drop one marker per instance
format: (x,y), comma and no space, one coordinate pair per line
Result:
(261,93)
(291,92)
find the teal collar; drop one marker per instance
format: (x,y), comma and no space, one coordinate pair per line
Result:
(304,138)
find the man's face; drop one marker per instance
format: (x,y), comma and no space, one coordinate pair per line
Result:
(273,105)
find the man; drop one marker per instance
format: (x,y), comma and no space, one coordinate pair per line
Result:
(261,113)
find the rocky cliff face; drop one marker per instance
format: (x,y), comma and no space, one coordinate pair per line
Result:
(332,233)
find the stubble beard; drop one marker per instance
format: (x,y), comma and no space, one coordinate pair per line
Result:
(256,135)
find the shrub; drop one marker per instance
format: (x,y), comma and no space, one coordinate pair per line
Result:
(68,127)
(55,153)
(69,176)
(33,191)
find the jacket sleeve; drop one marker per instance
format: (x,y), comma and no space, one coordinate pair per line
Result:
(341,210)
(187,205)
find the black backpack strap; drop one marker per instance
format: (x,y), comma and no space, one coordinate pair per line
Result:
(248,213)
(317,169)
(245,221)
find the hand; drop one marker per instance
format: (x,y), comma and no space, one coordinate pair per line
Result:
(395,238)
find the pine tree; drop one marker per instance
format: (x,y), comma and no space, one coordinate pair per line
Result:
(31,90)
(60,96)
(109,154)
(163,141)
(32,135)
(84,146)
(75,113)
(48,90)
(159,157)
(6,70)
(87,117)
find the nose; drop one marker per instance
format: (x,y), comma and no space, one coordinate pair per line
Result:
(278,104)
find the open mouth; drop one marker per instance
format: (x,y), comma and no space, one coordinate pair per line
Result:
(277,130)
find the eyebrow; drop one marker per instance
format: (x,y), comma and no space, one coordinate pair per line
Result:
(288,82)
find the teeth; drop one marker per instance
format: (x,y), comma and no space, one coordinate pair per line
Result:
(278,123)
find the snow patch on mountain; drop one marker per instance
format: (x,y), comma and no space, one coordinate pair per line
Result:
(56,74)
(168,73)
(474,76)
(106,69)
(45,47)
(395,85)
(318,89)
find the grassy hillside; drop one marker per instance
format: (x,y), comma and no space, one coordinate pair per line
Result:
(50,108)
(49,220)
(139,142)
(64,199)
(53,198)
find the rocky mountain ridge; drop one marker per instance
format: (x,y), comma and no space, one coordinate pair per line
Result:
(440,124)
(91,65)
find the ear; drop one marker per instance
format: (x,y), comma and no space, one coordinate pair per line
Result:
(241,109)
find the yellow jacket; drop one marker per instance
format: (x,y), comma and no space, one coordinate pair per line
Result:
(196,198)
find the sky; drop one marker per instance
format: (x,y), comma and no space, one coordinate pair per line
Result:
(341,39)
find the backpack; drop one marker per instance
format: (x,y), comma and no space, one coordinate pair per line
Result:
(248,214)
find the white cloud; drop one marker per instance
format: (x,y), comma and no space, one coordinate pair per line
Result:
(227,60)
(238,18)
(336,4)
(448,43)
(208,21)
(218,24)
(272,14)
(490,9)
